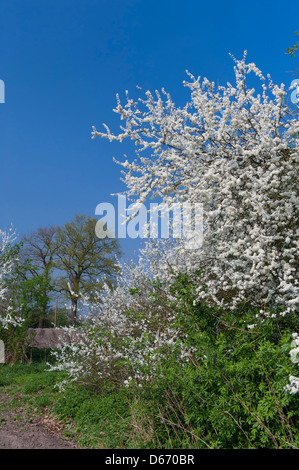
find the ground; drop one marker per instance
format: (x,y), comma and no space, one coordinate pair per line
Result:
(20,431)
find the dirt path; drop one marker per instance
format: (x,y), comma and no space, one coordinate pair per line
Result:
(18,431)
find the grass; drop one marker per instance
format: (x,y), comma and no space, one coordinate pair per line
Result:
(91,420)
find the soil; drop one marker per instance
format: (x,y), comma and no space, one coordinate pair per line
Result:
(20,431)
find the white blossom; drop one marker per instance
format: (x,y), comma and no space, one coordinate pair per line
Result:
(7,317)
(234,150)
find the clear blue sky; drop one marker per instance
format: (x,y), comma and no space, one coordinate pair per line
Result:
(63,61)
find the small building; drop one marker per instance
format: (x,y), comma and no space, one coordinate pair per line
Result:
(43,338)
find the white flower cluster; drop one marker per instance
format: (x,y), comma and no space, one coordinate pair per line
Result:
(127,324)
(294,353)
(5,264)
(293,386)
(7,318)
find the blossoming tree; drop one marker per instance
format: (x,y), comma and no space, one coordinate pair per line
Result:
(235,150)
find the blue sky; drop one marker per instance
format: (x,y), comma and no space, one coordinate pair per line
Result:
(63,61)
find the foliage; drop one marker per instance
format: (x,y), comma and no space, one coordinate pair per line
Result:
(38,251)
(86,261)
(292,50)
(29,292)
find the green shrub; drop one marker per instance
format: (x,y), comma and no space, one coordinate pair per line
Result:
(231,392)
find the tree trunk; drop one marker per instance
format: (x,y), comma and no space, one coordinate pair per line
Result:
(41,317)
(74,311)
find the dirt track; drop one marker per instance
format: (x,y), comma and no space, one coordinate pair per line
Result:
(18,431)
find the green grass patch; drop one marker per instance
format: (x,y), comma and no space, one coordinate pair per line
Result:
(90,419)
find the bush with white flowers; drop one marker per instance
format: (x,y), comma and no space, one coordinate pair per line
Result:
(129,327)
(235,150)
(7,316)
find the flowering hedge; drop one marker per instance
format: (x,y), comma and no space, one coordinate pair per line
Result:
(221,314)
